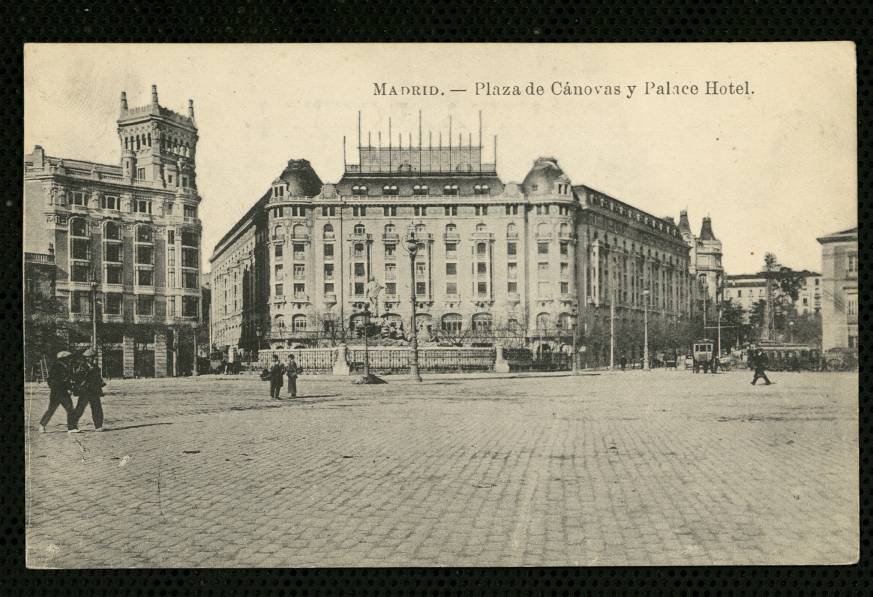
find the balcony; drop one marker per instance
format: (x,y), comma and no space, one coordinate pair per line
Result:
(330,298)
(390,237)
(452,237)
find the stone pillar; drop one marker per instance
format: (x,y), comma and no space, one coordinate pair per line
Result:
(341,365)
(500,363)
(127,348)
(161,354)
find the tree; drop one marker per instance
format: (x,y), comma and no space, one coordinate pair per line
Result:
(734,327)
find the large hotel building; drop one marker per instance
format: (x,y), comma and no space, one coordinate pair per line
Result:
(495,261)
(127,235)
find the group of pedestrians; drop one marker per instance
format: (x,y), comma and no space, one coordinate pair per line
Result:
(83,379)
(278,371)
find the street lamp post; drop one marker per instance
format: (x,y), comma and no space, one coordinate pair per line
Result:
(412,247)
(366,315)
(94,316)
(646,329)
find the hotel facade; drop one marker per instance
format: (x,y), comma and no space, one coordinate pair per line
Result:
(124,239)
(531,263)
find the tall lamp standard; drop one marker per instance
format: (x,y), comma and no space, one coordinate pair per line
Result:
(646,329)
(412,247)
(574,327)
(94,316)
(366,315)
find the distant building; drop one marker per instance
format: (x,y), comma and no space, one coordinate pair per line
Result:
(705,267)
(839,265)
(129,231)
(747,289)
(496,262)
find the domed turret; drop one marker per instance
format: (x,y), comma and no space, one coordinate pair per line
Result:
(706,232)
(301,179)
(544,177)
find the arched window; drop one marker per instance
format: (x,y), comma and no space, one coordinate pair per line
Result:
(359,190)
(420,189)
(565,229)
(390,229)
(511,230)
(298,322)
(564,322)
(543,321)
(451,230)
(452,323)
(450,189)
(482,322)
(360,229)
(542,229)
(390,190)
(481,189)
(111,231)
(481,227)
(279,322)
(299,231)
(278,233)
(419,229)
(328,231)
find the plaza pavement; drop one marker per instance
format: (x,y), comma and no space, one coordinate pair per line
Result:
(639,468)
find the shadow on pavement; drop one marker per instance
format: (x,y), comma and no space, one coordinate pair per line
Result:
(135,426)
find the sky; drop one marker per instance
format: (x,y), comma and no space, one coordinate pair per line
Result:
(774,168)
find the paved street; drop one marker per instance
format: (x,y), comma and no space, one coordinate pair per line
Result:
(619,468)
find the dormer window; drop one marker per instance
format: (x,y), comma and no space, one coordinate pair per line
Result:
(420,189)
(359,190)
(390,190)
(279,191)
(450,189)
(481,189)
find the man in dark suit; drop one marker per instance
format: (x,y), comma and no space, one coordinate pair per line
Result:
(89,387)
(760,363)
(277,370)
(292,371)
(59,392)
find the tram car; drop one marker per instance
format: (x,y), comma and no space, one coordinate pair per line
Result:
(702,352)
(792,357)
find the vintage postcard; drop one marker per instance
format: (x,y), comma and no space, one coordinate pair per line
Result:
(440,305)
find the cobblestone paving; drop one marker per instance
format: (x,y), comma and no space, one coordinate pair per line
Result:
(624,468)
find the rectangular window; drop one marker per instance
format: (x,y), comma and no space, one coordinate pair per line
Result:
(389,251)
(482,288)
(300,291)
(359,289)
(144,277)
(144,254)
(80,302)
(184,180)
(480,210)
(544,287)
(299,251)
(543,248)
(359,211)
(299,271)
(277,250)
(390,271)
(328,288)
(77,198)
(328,210)
(451,269)
(419,210)
(328,251)
(481,249)
(145,305)
(451,249)
(189,279)
(171,277)
(511,249)
(328,271)
(420,268)
(452,288)
(543,269)
(189,306)
(481,267)
(113,274)
(280,290)
(421,288)
(80,248)
(112,304)
(512,210)
(565,288)
(389,210)
(512,271)
(565,271)
(190,257)
(360,269)
(278,272)
(391,288)
(190,211)
(171,306)
(109,202)
(564,248)
(852,265)
(512,287)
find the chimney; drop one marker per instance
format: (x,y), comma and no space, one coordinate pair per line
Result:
(124,101)
(155,95)
(191,109)
(670,220)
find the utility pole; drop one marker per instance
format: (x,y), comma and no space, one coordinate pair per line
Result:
(612,330)
(94,316)
(412,247)
(646,329)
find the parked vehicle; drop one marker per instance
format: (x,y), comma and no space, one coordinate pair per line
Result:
(791,357)
(840,359)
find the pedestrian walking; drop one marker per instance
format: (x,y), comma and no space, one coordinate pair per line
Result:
(88,384)
(277,370)
(59,380)
(760,363)
(623,362)
(292,371)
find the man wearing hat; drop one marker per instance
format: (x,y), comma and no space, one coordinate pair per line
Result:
(89,387)
(292,371)
(59,392)
(277,370)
